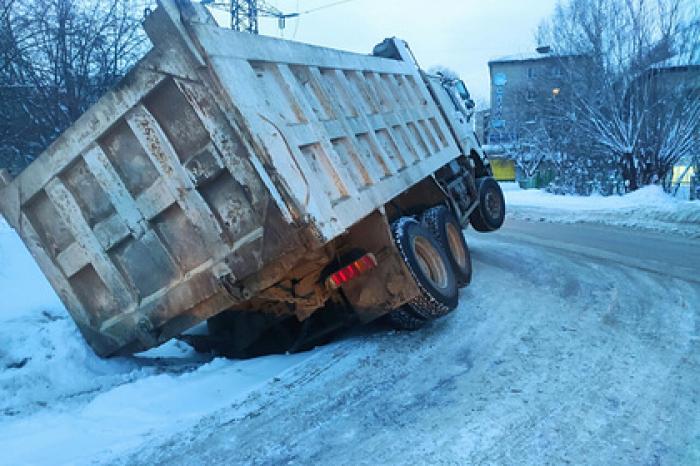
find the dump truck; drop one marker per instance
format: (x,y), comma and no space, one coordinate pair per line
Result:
(258,184)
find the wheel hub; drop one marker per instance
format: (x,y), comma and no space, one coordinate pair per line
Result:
(430,262)
(454,238)
(492,205)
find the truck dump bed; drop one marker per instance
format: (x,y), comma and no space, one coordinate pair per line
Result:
(219,155)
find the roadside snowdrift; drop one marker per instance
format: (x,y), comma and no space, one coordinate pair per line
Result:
(649,208)
(61,404)
(42,357)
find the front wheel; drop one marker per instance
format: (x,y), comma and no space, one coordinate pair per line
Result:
(491,211)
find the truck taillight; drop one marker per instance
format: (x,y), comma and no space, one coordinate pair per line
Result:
(354,270)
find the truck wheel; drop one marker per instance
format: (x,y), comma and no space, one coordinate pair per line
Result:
(491,212)
(445,227)
(405,318)
(430,266)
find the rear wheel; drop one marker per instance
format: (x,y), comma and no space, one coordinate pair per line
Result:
(445,227)
(491,211)
(430,267)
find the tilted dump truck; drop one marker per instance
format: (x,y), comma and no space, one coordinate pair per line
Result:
(260,179)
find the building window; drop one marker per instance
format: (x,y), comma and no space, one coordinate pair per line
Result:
(500,79)
(530,72)
(558,72)
(530,96)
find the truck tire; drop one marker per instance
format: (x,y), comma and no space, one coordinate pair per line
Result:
(405,318)
(491,212)
(445,227)
(430,267)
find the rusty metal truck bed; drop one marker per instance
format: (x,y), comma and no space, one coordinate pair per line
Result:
(220,154)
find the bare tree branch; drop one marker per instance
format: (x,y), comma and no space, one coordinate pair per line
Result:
(57,57)
(630,100)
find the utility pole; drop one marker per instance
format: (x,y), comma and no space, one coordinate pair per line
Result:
(244,15)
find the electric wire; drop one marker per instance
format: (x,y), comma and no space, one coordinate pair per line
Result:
(323,7)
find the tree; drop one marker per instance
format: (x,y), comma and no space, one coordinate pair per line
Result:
(57,58)
(625,104)
(531,143)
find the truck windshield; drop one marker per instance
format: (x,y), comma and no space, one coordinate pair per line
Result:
(462,90)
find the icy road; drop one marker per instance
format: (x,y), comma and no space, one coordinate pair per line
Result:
(574,344)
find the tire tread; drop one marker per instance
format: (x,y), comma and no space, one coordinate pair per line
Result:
(426,305)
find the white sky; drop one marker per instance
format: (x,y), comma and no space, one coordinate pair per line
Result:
(462,35)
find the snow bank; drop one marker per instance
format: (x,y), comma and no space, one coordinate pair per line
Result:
(649,208)
(123,418)
(61,404)
(42,357)
(23,287)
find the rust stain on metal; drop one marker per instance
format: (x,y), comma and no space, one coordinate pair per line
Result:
(154,145)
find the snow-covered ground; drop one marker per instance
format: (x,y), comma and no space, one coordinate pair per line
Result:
(549,358)
(649,208)
(61,404)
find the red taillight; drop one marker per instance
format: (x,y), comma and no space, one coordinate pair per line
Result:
(354,270)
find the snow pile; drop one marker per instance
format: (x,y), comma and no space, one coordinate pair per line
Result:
(23,287)
(122,419)
(509,186)
(61,404)
(649,208)
(42,357)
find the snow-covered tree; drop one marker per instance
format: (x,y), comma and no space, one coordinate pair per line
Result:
(626,104)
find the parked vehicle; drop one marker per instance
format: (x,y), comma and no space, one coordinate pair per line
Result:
(262,177)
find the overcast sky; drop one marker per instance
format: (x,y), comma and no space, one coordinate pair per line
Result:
(462,35)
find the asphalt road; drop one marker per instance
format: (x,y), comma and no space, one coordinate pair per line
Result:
(664,254)
(574,344)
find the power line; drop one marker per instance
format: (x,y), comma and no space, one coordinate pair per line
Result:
(296,24)
(323,7)
(245,13)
